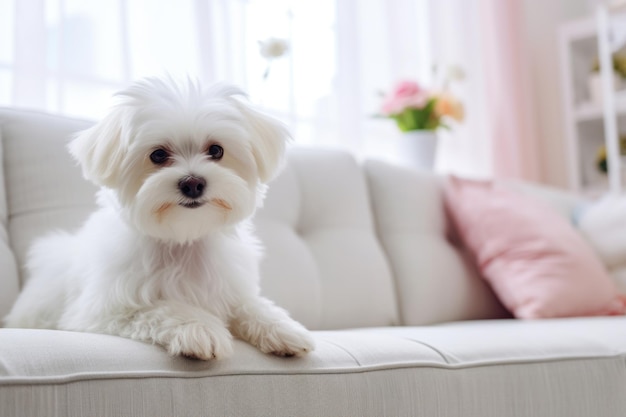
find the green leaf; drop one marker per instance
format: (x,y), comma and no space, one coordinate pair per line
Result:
(418,118)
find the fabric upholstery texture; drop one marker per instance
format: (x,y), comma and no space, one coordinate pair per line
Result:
(10,278)
(602,223)
(411,225)
(44,186)
(359,252)
(563,203)
(480,368)
(323,261)
(538,265)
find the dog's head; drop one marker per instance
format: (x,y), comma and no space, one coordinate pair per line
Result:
(183,160)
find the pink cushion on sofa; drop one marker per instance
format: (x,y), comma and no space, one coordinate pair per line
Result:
(535,261)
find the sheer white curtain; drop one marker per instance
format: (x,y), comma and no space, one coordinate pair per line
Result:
(69,56)
(456,40)
(500,135)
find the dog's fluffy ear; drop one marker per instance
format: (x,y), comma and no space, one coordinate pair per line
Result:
(269,143)
(100,150)
(270,136)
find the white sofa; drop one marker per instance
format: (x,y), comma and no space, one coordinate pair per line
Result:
(357,252)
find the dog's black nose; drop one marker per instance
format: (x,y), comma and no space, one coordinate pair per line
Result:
(192,187)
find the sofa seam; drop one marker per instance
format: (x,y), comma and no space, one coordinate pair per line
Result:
(439,352)
(78,377)
(346,351)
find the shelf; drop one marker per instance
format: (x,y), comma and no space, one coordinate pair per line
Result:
(585,124)
(588,111)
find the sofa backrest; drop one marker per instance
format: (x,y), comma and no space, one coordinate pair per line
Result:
(323,261)
(347,244)
(435,280)
(44,187)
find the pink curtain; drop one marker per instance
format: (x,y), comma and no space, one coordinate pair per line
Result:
(508,102)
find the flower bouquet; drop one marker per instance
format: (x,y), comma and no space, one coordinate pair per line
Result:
(416,108)
(418,113)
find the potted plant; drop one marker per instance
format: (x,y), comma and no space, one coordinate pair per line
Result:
(601,155)
(619,76)
(418,113)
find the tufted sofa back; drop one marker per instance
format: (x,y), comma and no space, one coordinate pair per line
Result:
(43,188)
(347,244)
(323,260)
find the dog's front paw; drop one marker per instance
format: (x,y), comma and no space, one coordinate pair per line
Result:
(200,341)
(285,338)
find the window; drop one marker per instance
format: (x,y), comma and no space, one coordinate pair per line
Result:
(70,56)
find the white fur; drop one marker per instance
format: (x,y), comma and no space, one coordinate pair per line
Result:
(148,268)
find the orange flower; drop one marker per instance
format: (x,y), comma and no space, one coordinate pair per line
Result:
(447,105)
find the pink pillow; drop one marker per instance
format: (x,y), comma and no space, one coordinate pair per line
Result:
(534,260)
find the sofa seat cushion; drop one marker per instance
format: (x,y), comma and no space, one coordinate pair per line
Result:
(560,367)
(498,342)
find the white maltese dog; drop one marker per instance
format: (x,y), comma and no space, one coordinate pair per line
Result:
(170,257)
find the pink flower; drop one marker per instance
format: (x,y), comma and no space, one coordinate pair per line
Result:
(407,94)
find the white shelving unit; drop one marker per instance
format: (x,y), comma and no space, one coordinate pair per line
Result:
(591,124)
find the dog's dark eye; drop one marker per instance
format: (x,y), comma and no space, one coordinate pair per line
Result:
(159,156)
(216,152)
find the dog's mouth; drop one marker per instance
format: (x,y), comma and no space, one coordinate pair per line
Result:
(191,204)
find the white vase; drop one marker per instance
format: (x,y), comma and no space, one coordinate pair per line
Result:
(417,149)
